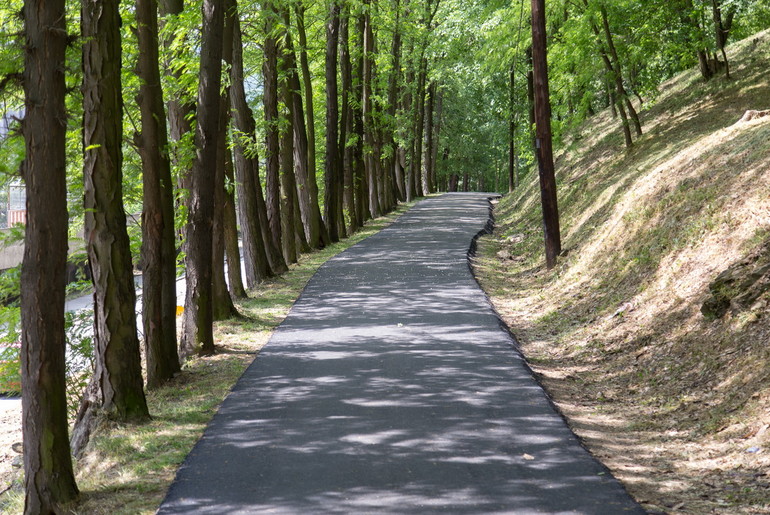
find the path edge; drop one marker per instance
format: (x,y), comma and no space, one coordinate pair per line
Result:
(488,229)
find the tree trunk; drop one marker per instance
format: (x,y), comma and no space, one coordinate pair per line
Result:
(721,32)
(512,175)
(346,152)
(230,221)
(118,373)
(256,236)
(419,126)
(369,157)
(359,172)
(180,109)
(158,237)
(393,89)
(543,127)
(222,304)
(331,167)
(198,334)
(273,142)
(312,183)
(430,186)
(49,481)
(437,138)
(618,73)
(308,203)
(288,183)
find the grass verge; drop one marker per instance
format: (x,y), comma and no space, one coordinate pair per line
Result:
(675,404)
(127,469)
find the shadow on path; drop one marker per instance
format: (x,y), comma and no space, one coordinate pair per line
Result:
(392,388)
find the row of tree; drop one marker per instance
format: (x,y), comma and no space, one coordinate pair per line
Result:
(196,152)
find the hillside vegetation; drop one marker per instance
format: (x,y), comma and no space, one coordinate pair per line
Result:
(675,402)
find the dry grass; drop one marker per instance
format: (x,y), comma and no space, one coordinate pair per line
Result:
(677,406)
(127,469)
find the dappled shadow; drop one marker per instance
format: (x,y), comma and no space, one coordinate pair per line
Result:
(392,388)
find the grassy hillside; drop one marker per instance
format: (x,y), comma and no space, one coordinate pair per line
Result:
(676,404)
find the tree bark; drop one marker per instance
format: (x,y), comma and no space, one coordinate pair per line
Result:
(369,126)
(257,238)
(429,185)
(618,72)
(158,237)
(118,375)
(331,166)
(543,127)
(180,109)
(312,179)
(308,202)
(222,304)
(230,221)
(49,481)
(273,142)
(198,331)
(288,183)
(346,151)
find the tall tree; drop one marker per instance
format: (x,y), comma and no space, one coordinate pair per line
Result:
(222,304)
(117,387)
(48,477)
(331,167)
(158,238)
(272,133)
(198,336)
(307,192)
(544,144)
(256,235)
(307,84)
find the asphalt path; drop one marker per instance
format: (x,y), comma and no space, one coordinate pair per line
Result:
(392,387)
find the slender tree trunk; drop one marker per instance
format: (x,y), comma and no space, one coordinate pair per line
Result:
(180,109)
(312,179)
(430,186)
(439,116)
(288,183)
(270,95)
(308,205)
(198,335)
(222,304)
(419,126)
(512,175)
(257,238)
(118,376)
(49,481)
(721,32)
(158,236)
(359,176)
(618,73)
(232,252)
(346,152)
(331,168)
(393,89)
(544,144)
(369,157)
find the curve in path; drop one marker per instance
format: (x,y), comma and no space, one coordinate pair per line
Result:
(391,387)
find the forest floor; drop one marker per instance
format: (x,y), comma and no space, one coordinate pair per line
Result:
(676,404)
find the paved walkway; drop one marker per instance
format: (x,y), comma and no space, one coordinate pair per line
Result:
(392,388)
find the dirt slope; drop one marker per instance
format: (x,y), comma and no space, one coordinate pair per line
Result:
(676,403)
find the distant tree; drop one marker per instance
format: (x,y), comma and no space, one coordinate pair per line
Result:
(48,477)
